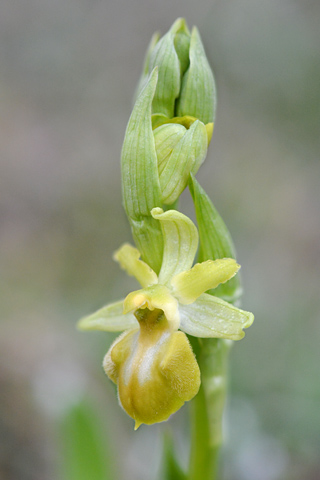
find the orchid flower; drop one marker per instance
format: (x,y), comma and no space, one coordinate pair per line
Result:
(152,362)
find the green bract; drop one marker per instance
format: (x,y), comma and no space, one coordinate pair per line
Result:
(215,239)
(140,179)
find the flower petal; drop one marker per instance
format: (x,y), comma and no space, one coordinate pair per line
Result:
(129,259)
(110,319)
(180,243)
(210,316)
(156,296)
(188,286)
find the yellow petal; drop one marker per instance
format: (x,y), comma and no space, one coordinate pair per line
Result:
(129,259)
(189,285)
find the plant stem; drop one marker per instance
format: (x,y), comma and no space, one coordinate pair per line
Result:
(207,408)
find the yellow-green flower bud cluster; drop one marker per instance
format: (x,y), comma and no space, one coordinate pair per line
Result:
(186,85)
(168,133)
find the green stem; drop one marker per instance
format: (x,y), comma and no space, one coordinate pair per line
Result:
(207,408)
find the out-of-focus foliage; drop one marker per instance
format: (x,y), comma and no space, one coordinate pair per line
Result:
(84,450)
(66,83)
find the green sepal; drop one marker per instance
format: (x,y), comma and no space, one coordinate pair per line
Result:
(212,317)
(109,318)
(140,180)
(198,92)
(215,239)
(165,57)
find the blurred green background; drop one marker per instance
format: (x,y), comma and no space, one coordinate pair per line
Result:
(67,76)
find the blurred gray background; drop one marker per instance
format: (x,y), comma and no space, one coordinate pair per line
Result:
(68,72)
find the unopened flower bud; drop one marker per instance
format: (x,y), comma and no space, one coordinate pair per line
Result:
(180,151)
(186,84)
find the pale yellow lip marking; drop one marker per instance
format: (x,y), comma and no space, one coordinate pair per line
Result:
(145,367)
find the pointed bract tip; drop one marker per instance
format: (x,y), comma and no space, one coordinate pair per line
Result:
(177,24)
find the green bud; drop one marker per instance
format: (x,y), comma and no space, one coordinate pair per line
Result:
(186,85)
(198,93)
(165,57)
(180,151)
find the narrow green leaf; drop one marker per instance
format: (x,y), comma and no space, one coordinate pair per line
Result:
(198,92)
(85,452)
(215,239)
(140,180)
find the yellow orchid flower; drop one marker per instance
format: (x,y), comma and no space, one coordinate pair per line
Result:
(152,362)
